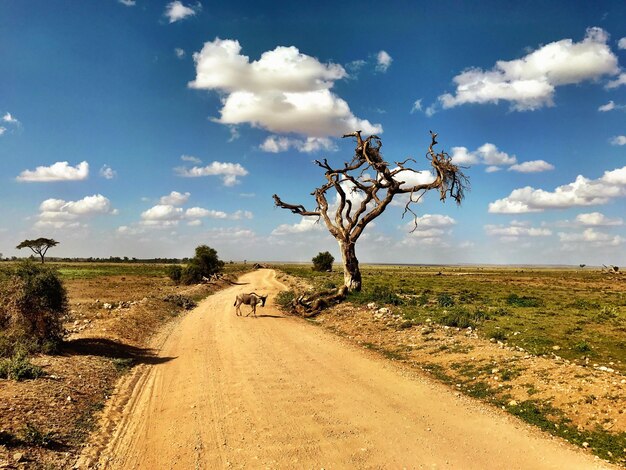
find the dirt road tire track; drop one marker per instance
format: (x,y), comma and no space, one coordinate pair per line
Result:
(276,392)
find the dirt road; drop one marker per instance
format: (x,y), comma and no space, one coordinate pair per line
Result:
(276,392)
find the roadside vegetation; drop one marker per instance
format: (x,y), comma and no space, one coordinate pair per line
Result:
(547,345)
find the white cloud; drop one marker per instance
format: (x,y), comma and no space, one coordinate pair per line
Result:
(516,231)
(607,107)
(60,171)
(486,154)
(619,81)
(417,106)
(161,213)
(618,140)
(180,53)
(107,172)
(591,237)
(529,83)
(58,213)
(533,166)
(383,61)
(433,220)
(228,171)
(176,11)
(621,44)
(597,219)
(306,224)
(190,159)
(276,144)
(238,215)
(199,213)
(128,3)
(2,130)
(8,118)
(284,91)
(174,199)
(582,192)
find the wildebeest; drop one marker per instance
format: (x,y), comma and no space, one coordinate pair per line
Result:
(252,299)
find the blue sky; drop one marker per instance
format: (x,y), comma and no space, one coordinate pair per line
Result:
(144,128)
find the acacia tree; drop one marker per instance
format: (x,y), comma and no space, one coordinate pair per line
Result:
(365,186)
(39,246)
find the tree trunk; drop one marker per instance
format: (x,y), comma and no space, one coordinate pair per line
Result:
(351,272)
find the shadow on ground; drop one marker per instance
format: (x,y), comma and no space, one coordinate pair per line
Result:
(112,349)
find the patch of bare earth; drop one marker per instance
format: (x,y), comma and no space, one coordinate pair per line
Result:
(44,422)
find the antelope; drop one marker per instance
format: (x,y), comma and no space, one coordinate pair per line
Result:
(251,299)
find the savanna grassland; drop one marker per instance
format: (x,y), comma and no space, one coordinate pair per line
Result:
(48,405)
(548,345)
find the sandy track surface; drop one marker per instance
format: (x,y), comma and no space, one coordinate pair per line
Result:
(276,392)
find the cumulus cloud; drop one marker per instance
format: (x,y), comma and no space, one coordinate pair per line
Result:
(597,219)
(515,230)
(428,229)
(591,237)
(107,172)
(582,192)
(128,3)
(618,140)
(180,53)
(284,91)
(60,171)
(276,144)
(529,83)
(199,213)
(383,61)
(621,44)
(619,81)
(176,11)
(175,198)
(306,224)
(607,107)
(495,159)
(167,212)
(533,166)
(230,172)
(58,213)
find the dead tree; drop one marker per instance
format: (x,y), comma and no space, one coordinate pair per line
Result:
(365,186)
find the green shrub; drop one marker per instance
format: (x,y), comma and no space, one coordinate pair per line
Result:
(323,262)
(175,273)
(19,367)
(33,436)
(204,264)
(463,318)
(524,301)
(582,347)
(33,302)
(445,300)
(285,298)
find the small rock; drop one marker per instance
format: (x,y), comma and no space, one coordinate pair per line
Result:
(371,306)
(585,444)
(68,399)
(512,403)
(18,456)
(107,306)
(383,310)
(556,348)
